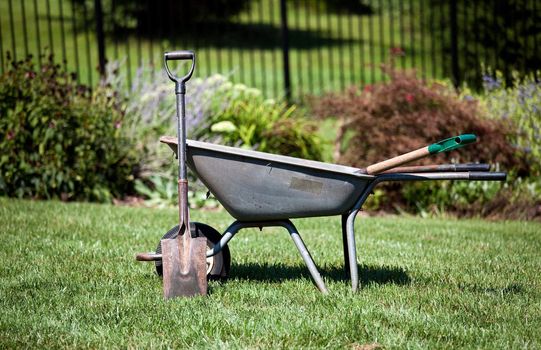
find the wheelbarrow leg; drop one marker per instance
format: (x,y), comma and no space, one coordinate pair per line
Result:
(352,252)
(226,237)
(306,256)
(345,245)
(288,225)
(350,234)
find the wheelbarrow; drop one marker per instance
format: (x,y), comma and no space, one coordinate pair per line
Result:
(267,190)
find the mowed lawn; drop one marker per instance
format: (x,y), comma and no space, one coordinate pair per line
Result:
(69,279)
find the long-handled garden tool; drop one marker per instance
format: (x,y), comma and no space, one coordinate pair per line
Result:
(183,257)
(438,147)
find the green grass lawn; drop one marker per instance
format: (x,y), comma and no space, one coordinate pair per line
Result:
(69,279)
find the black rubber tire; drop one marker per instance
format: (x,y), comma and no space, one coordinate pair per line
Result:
(221,263)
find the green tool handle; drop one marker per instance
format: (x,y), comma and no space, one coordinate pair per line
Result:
(438,147)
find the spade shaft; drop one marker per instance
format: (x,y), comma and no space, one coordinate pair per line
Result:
(183,257)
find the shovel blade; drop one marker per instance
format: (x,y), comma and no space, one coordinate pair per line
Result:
(184,266)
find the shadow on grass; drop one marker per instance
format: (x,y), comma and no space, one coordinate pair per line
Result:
(265,272)
(260,36)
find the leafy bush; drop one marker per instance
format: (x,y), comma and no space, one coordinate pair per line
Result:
(406,113)
(217,111)
(59,139)
(160,191)
(425,198)
(391,118)
(521,104)
(250,121)
(520,197)
(517,198)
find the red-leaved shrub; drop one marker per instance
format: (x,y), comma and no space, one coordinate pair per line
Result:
(390,118)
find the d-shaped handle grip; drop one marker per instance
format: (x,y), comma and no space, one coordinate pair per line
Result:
(179,55)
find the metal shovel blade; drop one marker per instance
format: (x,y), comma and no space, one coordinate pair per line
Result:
(184,266)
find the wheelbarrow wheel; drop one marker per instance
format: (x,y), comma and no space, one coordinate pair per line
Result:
(217,266)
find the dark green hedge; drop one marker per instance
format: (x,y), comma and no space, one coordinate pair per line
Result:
(59,139)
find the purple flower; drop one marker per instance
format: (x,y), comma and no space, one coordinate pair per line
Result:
(490,83)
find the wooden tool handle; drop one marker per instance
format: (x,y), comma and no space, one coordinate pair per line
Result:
(438,147)
(397,161)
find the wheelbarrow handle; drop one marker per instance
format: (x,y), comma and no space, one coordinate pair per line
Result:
(148,257)
(488,176)
(182,55)
(434,168)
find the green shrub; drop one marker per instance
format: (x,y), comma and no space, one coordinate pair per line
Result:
(149,111)
(517,198)
(59,139)
(250,121)
(521,104)
(216,111)
(425,198)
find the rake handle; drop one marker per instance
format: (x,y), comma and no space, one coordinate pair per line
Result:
(397,161)
(438,147)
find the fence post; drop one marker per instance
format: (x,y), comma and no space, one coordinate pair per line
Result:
(285,48)
(98,13)
(455,69)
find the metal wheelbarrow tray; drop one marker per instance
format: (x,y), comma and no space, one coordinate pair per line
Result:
(261,190)
(256,186)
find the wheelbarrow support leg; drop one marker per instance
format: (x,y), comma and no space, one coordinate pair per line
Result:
(305,256)
(349,238)
(345,244)
(226,237)
(351,250)
(288,225)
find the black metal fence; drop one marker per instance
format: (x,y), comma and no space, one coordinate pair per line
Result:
(279,46)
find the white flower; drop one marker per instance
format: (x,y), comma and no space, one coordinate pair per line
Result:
(240,87)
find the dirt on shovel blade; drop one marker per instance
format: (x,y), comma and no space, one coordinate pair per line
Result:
(184,266)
